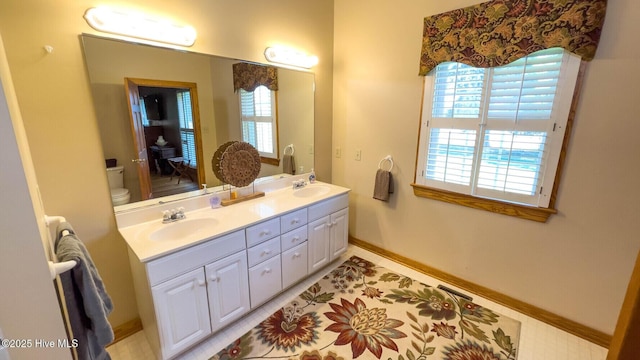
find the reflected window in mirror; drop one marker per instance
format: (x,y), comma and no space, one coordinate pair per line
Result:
(259,121)
(187,135)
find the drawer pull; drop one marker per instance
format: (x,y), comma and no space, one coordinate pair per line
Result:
(296,255)
(295,239)
(267,271)
(265,232)
(295,221)
(266,252)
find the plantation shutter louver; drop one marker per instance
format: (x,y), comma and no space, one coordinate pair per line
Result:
(187,135)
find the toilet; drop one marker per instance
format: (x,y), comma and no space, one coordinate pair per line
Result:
(115,176)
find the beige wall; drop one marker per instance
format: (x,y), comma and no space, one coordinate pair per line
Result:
(295,105)
(54,96)
(578,264)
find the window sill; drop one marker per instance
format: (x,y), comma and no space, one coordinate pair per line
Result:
(500,207)
(269,161)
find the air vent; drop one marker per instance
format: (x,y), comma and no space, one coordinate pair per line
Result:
(454,292)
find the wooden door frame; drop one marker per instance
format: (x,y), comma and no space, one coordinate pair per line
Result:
(625,344)
(195,112)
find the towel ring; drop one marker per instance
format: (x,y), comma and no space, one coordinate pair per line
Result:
(386,158)
(290,146)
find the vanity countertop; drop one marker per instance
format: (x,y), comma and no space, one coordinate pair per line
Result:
(205,223)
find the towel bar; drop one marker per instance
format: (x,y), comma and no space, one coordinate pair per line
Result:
(57,268)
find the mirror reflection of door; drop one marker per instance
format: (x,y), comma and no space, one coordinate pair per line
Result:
(165,125)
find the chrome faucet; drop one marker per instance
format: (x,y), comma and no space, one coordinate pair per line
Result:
(169,216)
(299,184)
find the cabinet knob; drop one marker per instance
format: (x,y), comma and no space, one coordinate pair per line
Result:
(295,221)
(329,224)
(201,283)
(295,239)
(265,232)
(267,271)
(266,252)
(296,255)
(213,278)
(334,223)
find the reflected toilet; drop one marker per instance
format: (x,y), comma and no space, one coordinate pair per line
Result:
(115,176)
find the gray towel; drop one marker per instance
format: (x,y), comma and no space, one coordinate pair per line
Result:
(288,164)
(88,303)
(383,185)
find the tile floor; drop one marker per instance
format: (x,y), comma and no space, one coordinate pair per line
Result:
(538,341)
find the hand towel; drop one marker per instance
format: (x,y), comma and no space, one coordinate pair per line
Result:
(288,164)
(88,303)
(383,185)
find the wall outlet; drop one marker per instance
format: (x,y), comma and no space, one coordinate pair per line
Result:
(358,155)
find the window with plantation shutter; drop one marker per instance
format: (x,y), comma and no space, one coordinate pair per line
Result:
(497,133)
(187,136)
(257,110)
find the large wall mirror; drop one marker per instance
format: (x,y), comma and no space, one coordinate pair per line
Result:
(163,78)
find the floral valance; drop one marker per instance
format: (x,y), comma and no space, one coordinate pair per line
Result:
(501,31)
(249,76)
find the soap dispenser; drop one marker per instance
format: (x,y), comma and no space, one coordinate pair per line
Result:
(312,177)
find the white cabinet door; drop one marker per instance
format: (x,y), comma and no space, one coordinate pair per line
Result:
(182,311)
(318,241)
(265,280)
(339,232)
(294,265)
(228,289)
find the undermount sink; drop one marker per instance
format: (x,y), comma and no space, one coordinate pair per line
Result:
(183,228)
(311,190)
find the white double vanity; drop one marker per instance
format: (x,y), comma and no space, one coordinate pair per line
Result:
(194,276)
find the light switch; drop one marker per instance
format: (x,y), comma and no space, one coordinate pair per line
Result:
(358,155)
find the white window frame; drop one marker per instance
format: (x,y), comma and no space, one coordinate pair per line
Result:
(554,127)
(271,153)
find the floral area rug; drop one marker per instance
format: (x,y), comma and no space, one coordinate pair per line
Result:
(363,311)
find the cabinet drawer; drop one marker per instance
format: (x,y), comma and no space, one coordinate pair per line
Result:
(175,264)
(263,251)
(293,238)
(327,207)
(265,281)
(263,231)
(293,220)
(294,265)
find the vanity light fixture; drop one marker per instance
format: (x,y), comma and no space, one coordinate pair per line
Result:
(291,57)
(139,25)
